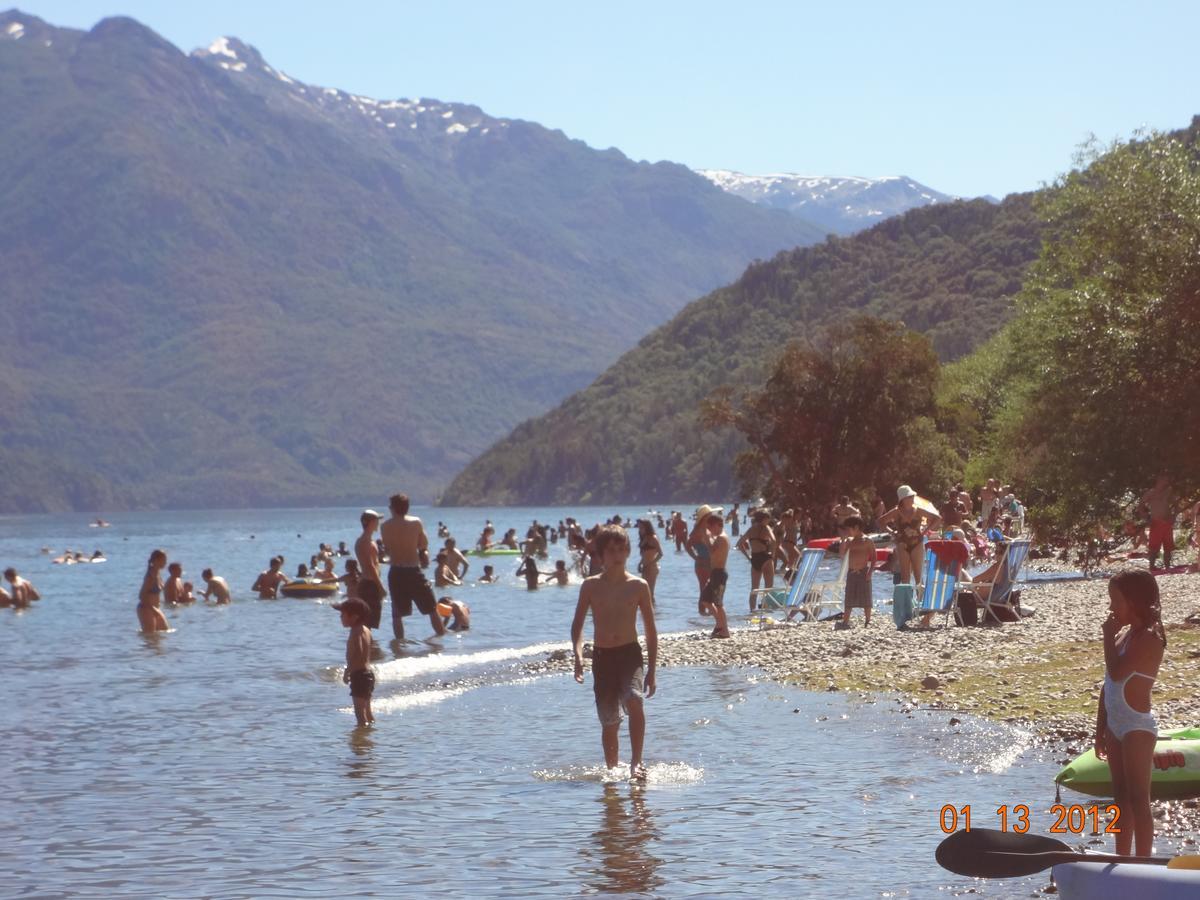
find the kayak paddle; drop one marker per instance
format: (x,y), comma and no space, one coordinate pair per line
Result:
(988,853)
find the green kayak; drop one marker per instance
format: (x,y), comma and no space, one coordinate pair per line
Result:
(1176,768)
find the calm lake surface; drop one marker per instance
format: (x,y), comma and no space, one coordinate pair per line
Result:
(221,759)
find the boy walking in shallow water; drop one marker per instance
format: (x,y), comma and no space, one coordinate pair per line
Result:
(620,679)
(355,616)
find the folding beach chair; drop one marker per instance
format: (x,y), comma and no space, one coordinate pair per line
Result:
(943,567)
(792,597)
(828,596)
(1002,588)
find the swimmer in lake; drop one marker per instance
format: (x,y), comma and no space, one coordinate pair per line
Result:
(443,575)
(488,576)
(21,592)
(268,583)
(215,585)
(560,576)
(173,589)
(149,612)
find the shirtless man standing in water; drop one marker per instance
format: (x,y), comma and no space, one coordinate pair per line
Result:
(369,587)
(408,548)
(615,597)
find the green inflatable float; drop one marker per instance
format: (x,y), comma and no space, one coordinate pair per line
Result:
(1176,768)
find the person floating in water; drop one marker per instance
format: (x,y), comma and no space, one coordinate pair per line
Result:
(149,612)
(620,677)
(488,576)
(358,674)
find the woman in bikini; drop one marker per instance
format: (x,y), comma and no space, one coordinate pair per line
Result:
(1134,641)
(909,524)
(149,613)
(651,552)
(758,546)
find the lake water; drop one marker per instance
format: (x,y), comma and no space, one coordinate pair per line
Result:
(221,759)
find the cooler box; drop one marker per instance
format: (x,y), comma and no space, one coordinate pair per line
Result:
(903,600)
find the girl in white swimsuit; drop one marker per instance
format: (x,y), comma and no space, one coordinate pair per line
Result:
(1134,641)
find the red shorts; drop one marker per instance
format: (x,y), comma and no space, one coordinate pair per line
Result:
(1162,536)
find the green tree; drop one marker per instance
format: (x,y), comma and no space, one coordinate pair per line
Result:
(847,414)
(1104,356)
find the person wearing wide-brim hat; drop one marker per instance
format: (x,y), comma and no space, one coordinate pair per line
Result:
(697,544)
(909,524)
(710,545)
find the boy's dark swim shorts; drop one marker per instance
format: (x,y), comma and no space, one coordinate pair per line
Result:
(617,674)
(714,590)
(362,683)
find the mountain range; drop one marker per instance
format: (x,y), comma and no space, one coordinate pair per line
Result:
(634,435)
(222,286)
(842,205)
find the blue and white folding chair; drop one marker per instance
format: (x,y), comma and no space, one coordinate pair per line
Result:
(943,568)
(1001,590)
(792,597)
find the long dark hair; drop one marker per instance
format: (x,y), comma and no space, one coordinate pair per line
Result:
(1140,588)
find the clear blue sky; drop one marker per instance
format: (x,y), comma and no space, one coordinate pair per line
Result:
(965,98)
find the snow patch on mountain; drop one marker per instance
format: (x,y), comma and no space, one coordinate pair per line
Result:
(842,203)
(15,31)
(220,47)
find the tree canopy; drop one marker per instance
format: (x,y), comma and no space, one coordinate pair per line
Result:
(1101,369)
(850,413)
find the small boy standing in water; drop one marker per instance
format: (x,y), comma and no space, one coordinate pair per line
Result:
(355,615)
(615,597)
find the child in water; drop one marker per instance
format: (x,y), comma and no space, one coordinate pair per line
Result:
(560,575)
(355,615)
(1134,641)
(614,598)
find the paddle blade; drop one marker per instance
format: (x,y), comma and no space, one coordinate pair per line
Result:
(988,853)
(1184,862)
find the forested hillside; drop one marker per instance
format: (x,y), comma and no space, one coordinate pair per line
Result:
(949,271)
(221,286)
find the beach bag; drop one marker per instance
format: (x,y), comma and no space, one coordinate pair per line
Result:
(968,608)
(1006,614)
(903,596)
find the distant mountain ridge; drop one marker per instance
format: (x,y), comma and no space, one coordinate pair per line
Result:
(634,435)
(842,204)
(222,286)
